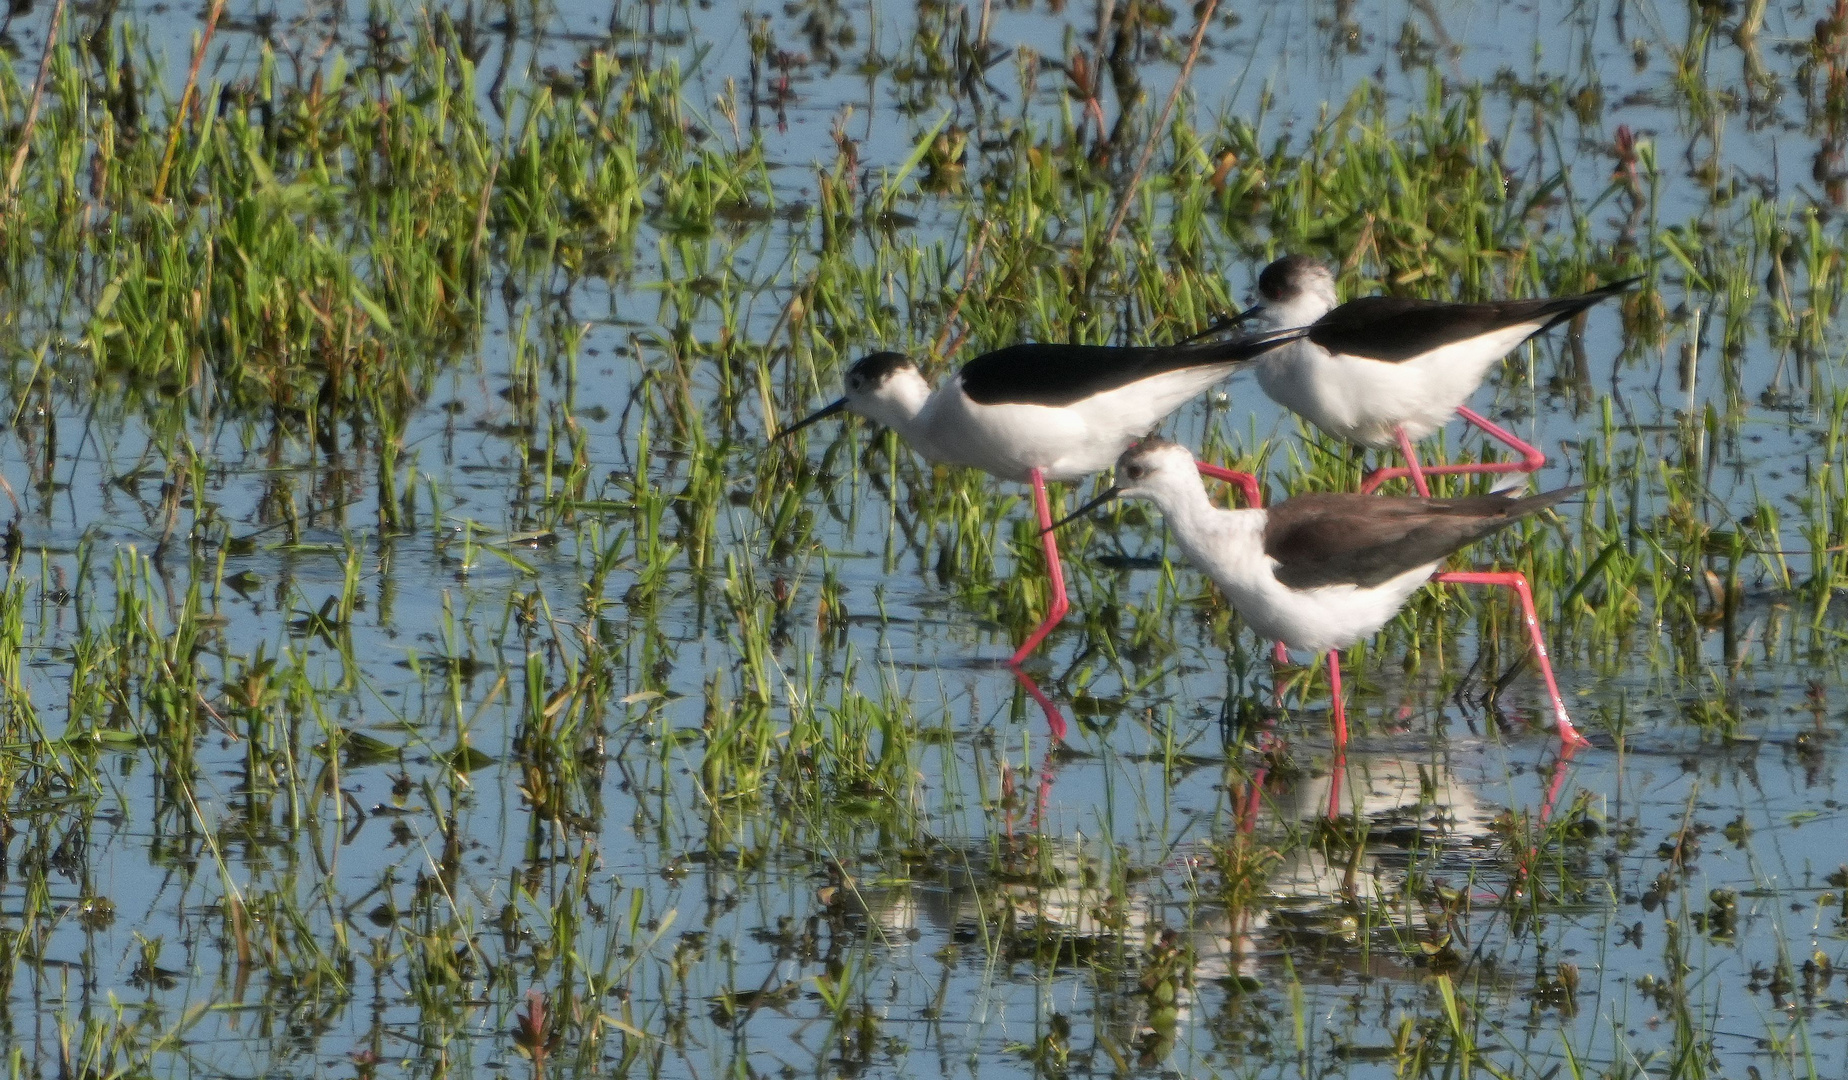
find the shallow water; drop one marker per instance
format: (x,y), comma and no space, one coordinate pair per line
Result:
(969,898)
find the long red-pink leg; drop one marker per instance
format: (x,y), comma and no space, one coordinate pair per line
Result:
(1532,460)
(1548,801)
(1247,483)
(1334,690)
(1568,735)
(1054,571)
(1337,770)
(1055,721)
(1045,791)
(1339,765)
(1267,744)
(1412,469)
(1248,815)
(1560,769)
(1055,725)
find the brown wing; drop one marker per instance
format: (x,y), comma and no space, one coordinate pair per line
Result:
(1366,540)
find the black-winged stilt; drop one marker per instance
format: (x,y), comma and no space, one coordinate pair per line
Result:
(1320,572)
(1386,370)
(1040,412)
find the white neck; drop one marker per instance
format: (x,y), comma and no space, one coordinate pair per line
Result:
(1186,506)
(1209,536)
(1305,307)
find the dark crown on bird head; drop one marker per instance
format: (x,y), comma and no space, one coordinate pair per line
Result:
(870,371)
(1287,276)
(1133,463)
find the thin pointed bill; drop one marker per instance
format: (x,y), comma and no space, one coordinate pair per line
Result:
(1083,510)
(1220,325)
(838,407)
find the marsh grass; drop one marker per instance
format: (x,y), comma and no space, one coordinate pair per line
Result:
(413,658)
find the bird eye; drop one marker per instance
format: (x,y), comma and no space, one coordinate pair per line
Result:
(1135,472)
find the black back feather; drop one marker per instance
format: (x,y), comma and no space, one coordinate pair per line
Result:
(1062,375)
(1394,329)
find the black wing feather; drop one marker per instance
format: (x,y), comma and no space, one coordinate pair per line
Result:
(1366,540)
(1062,375)
(1394,329)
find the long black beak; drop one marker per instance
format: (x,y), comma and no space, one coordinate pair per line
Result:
(1221,324)
(837,407)
(1083,510)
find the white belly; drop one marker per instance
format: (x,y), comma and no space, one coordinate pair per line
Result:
(1329,617)
(1364,401)
(1066,443)
(1314,620)
(1008,441)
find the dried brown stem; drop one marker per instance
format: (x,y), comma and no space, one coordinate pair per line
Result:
(1167,110)
(186,97)
(32,111)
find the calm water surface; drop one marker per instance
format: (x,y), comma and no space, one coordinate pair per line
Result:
(1695,888)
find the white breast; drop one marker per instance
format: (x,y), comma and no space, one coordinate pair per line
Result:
(1330,616)
(1006,440)
(1067,443)
(1230,550)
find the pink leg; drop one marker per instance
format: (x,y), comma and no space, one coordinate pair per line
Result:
(1531,457)
(1547,802)
(1045,799)
(1412,469)
(1247,483)
(1560,768)
(1248,817)
(1339,766)
(1334,690)
(1054,570)
(1047,777)
(1055,721)
(1267,745)
(1337,771)
(1568,735)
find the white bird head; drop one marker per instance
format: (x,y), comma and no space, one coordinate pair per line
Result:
(885,387)
(1296,290)
(1156,469)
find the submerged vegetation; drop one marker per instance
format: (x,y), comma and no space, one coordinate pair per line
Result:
(414,661)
